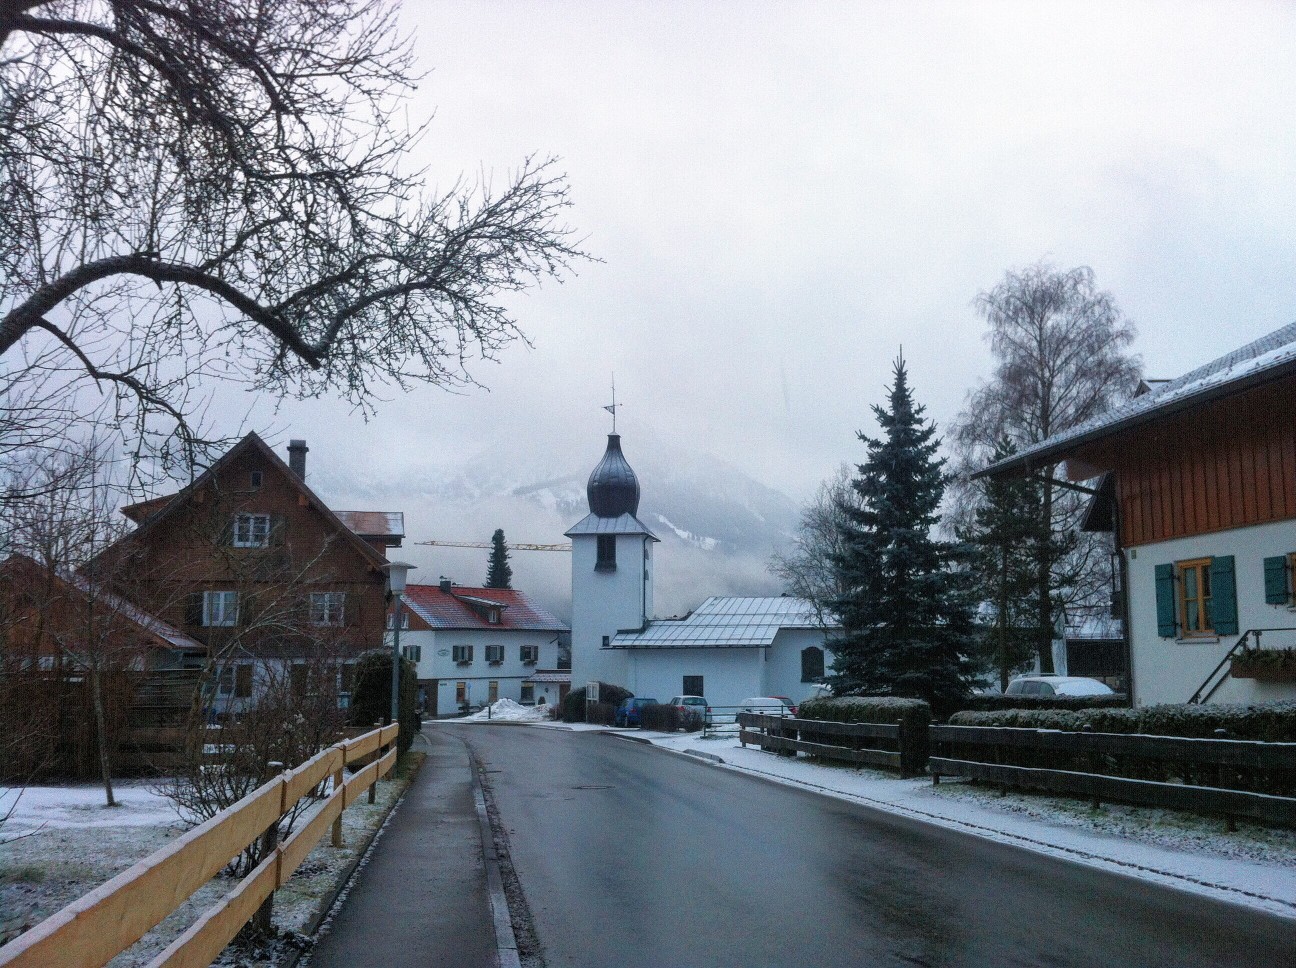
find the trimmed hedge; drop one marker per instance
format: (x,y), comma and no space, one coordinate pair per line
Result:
(1270,722)
(668,719)
(995,703)
(573,707)
(914,715)
(1267,722)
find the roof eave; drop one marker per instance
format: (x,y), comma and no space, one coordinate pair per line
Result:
(1031,461)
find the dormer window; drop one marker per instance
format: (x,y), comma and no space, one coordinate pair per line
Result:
(606,560)
(251,530)
(492,616)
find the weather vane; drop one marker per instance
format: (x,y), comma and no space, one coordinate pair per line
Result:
(612,408)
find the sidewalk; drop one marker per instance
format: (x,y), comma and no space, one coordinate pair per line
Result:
(420,899)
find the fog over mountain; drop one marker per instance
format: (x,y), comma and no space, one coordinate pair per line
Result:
(718,526)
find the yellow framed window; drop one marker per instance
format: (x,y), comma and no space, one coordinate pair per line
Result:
(1195,597)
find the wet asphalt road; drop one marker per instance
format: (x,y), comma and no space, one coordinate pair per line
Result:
(631,856)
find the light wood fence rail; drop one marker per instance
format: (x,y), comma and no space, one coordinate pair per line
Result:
(95,928)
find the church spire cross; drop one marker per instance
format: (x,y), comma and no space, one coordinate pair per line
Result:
(614,406)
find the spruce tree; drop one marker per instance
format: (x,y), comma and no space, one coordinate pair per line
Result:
(905,615)
(498,572)
(1003,548)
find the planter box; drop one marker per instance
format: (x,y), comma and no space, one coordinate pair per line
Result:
(1246,667)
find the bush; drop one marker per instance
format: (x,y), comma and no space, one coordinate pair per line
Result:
(662,717)
(1267,722)
(994,703)
(913,715)
(573,706)
(371,695)
(601,714)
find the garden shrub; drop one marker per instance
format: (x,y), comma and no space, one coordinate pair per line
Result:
(600,714)
(1267,722)
(994,703)
(371,695)
(914,715)
(573,707)
(660,717)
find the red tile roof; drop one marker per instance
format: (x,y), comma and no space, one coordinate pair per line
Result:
(456,610)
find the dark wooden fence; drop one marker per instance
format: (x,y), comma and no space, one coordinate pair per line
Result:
(872,744)
(1207,770)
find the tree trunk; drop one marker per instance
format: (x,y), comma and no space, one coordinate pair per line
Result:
(101,725)
(1044,583)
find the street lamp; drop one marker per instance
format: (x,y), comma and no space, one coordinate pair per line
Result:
(396,574)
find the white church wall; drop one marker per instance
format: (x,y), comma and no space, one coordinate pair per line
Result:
(605,602)
(728,675)
(783,669)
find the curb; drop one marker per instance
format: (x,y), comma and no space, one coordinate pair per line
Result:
(702,754)
(506,949)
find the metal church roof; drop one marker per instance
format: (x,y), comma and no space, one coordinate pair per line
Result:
(1268,358)
(621,524)
(732,623)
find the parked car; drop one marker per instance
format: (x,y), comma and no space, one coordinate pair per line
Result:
(1047,686)
(788,701)
(769,705)
(693,705)
(627,714)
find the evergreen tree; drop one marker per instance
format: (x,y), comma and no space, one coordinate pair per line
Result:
(498,572)
(906,618)
(1003,550)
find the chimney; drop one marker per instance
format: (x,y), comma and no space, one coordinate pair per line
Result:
(297,457)
(445,585)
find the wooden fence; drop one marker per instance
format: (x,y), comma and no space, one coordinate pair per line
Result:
(94,929)
(848,742)
(986,752)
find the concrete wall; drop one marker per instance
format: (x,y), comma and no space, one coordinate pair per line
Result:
(1170,670)
(604,602)
(728,675)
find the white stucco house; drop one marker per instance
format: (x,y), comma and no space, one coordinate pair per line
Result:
(1195,478)
(727,649)
(476,645)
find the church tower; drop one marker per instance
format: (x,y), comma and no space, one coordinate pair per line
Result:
(611,570)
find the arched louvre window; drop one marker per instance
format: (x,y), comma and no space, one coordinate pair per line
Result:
(812,663)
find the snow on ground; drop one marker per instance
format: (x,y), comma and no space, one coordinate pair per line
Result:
(61,842)
(82,806)
(508,711)
(1254,865)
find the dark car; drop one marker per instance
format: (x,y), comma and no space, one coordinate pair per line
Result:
(627,714)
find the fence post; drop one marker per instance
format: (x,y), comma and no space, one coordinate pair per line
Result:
(1230,821)
(262,921)
(339,791)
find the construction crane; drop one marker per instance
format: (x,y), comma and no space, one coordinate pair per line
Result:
(487,544)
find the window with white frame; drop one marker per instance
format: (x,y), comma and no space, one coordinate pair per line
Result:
(530,654)
(494,654)
(391,620)
(251,530)
(463,654)
(412,652)
(327,608)
(220,609)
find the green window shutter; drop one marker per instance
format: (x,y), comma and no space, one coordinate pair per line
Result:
(1223,605)
(1276,591)
(1165,598)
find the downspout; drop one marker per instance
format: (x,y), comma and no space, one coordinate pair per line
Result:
(1125,595)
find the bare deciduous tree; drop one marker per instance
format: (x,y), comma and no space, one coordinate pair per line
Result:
(209,191)
(1061,349)
(806,568)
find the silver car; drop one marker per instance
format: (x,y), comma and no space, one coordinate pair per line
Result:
(693,705)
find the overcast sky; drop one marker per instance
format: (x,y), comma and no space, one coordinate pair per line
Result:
(784,194)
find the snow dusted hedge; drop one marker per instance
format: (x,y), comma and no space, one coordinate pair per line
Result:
(573,707)
(1267,722)
(1270,722)
(912,714)
(995,703)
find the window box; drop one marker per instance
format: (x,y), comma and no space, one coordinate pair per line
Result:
(1265,665)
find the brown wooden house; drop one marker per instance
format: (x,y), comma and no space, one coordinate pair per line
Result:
(1196,479)
(250,562)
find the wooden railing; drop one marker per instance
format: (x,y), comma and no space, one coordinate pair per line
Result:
(850,742)
(1202,767)
(95,928)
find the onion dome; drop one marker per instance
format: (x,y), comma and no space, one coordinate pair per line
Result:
(613,489)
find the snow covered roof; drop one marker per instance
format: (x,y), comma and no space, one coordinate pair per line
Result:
(374,524)
(463,608)
(732,623)
(1268,358)
(549,675)
(622,524)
